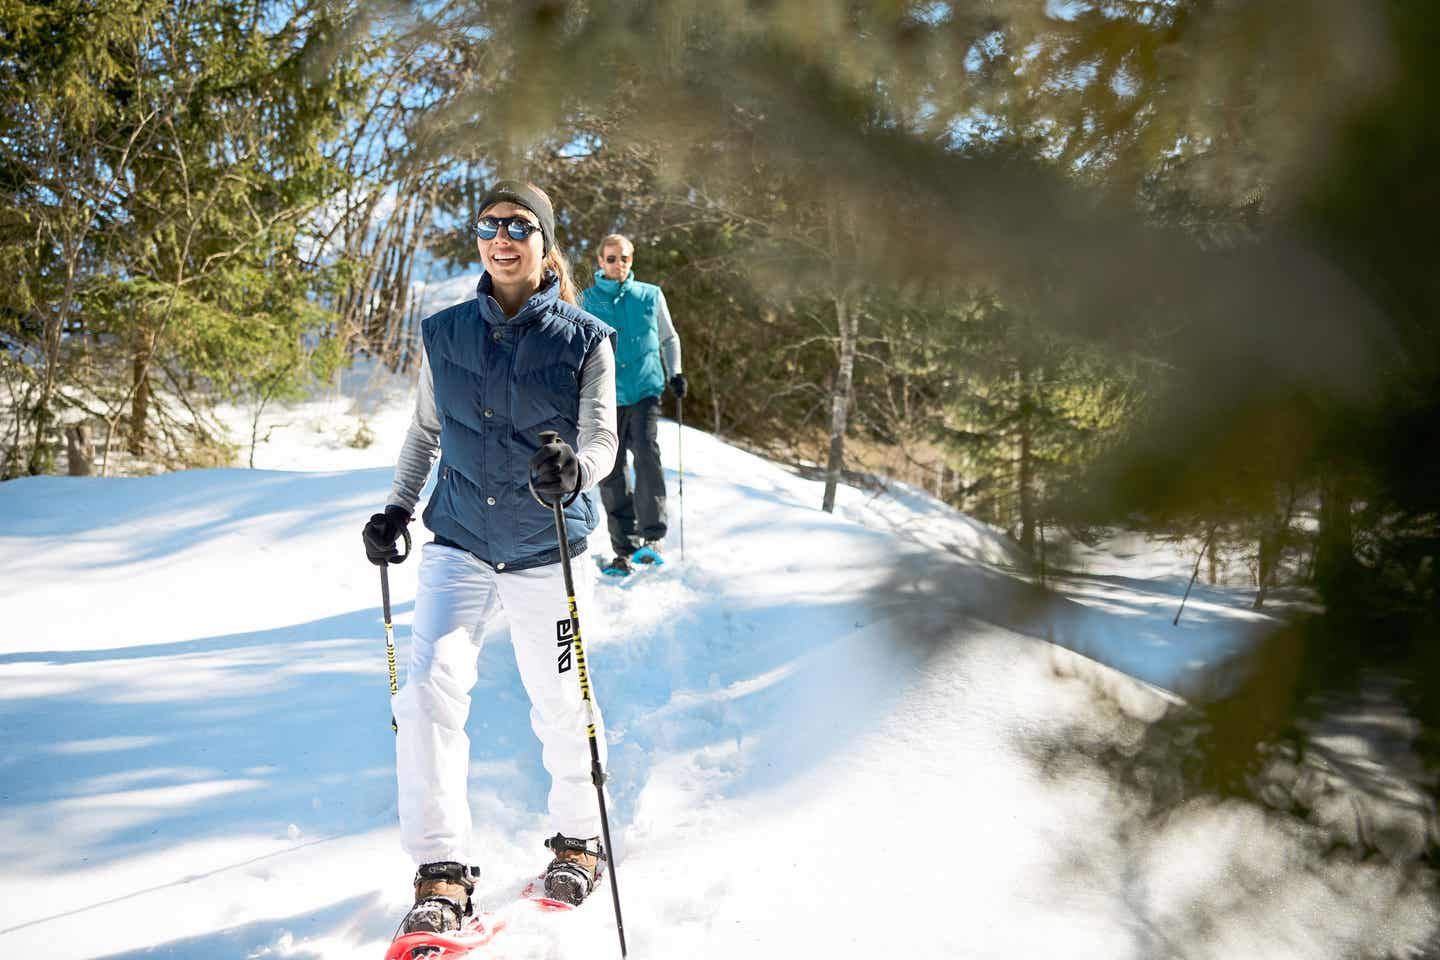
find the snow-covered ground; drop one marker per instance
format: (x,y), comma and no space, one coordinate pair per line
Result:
(848,735)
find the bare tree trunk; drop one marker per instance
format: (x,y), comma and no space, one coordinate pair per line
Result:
(139,402)
(1214,569)
(847,319)
(1264,565)
(39,460)
(1042,554)
(1026,467)
(840,391)
(1335,540)
(1272,546)
(40,414)
(405,332)
(15,447)
(78,447)
(1027,497)
(712,374)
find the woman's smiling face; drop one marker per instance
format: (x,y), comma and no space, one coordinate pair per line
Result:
(513,262)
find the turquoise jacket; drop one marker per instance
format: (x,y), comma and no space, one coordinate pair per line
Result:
(630,308)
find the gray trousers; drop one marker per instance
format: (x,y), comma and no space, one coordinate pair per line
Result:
(638,515)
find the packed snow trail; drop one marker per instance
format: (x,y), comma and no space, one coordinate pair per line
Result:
(839,736)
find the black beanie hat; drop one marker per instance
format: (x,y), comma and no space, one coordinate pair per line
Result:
(528,197)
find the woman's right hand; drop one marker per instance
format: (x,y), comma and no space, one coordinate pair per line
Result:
(381,532)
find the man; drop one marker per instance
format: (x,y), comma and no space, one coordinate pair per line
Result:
(647,357)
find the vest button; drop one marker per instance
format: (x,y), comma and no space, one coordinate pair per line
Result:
(496,335)
(490,501)
(499,566)
(489,412)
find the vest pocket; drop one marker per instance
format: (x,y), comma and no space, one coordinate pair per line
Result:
(547,398)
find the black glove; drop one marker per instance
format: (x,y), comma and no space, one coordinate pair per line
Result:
(381,532)
(678,385)
(555,471)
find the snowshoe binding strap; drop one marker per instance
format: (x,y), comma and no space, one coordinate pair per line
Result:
(448,870)
(592,847)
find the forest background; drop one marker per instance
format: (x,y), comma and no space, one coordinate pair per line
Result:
(1072,265)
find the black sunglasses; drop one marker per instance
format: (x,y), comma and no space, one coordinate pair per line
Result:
(516,228)
(612,258)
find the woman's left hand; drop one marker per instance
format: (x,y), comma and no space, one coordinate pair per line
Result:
(555,471)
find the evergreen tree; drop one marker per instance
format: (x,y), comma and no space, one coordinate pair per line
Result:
(161,162)
(1029,415)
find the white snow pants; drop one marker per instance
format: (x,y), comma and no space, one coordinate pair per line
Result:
(456,597)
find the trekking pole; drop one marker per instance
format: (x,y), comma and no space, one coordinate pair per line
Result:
(680,462)
(597,773)
(396,557)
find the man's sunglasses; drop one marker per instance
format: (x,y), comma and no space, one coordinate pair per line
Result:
(516,228)
(612,258)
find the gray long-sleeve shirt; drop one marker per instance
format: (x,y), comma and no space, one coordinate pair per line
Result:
(669,339)
(597,441)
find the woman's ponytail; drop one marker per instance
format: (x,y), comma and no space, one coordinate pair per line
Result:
(556,260)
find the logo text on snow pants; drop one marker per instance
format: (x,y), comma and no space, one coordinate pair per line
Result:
(564,636)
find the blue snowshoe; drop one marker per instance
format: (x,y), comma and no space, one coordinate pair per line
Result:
(649,552)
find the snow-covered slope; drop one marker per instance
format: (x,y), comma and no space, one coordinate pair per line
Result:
(834,736)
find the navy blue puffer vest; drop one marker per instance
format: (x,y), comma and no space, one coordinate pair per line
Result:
(499,382)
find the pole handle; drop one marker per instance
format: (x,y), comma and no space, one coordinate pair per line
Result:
(547,438)
(400,557)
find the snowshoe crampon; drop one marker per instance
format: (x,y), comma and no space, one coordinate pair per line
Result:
(474,938)
(433,915)
(443,946)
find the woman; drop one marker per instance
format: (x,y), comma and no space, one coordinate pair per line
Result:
(518,359)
